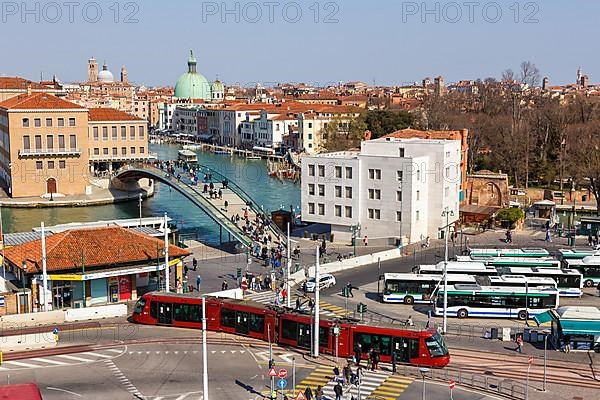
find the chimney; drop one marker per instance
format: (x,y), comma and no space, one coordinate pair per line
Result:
(28,90)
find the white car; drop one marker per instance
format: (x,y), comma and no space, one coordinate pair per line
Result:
(325,281)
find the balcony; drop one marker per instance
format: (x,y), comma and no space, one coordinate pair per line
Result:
(58,152)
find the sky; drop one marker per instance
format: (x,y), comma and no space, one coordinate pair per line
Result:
(316,42)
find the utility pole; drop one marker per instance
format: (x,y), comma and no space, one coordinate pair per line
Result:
(82,275)
(316,329)
(167,277)
(140,204)
(44,270)
(289,266)
(3,245)
(446,213)
(204,355)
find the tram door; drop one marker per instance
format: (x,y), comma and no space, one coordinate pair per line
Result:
(401,345)
(165,313)
(304,335)
(241,322)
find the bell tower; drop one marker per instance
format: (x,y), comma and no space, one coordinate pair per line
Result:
(124,76)
(92,70)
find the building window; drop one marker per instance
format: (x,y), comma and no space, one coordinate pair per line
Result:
(447,191)
(418,175)
(141,150)
(123,150)
(447,154)
(321,170)
(50,164)
(73,141)
(62,164)
(49,142)
(311,208)
(39,165)
(26,143)
(311,170)
(61,122)
(321,190)
(338,211)
(417,215)
(321,209)
(311,189)
(48,122)
(338,191)
(398,216)
(25,122)
(348,192)
(370,213)
(37,122)
(71,121)
(399,176)
(399,195)
(61,142)
(374,173)
(123,133)
(132,150)
(95,130)
(132,132)
(310,125)
(105,151)
(114,133)
(348,212)
(374,194)
(401,152)
(338,172)
(348,172)
(38,142)
(105,133)
(418,197)
(115,151)
(96,151)
(378,174)
(141,132)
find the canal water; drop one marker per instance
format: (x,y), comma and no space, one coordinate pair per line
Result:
(251,175)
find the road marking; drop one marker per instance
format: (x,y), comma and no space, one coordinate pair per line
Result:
(68,357)
(114,350)
(49,361)
(98,354)
(64,391)
(21,364)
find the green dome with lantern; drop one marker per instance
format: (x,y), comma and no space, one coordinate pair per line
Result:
(192,85)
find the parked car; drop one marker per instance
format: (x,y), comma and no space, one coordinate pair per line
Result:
(325,281)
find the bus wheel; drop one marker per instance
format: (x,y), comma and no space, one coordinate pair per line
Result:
(409,300)
(589,283)
(462,313)
(523,315)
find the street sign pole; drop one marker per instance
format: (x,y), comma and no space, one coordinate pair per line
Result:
(317,281)
(452,383)
(167,275)
(289,266)
(293,374)
(529,362)
(204,350)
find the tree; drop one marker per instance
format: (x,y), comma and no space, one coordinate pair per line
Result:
(381,123)
(512,215)
(344,133)
(583,152)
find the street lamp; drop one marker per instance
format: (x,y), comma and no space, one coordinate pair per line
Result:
(424,371)
(24,264)
(446,213)
(545,332)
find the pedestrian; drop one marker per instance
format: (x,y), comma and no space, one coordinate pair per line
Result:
(339,391)
(366,240)
(357,353)
(519,341)
(336,373)
(198,282)
(284,295)
(224,285)
(409,321)
(548,237)
(375,362)
(394,360)
(226,204)
(220,194)
(369,358)
(590,239)
(350,287)
(319,393)
(298,303)
(347,372)
(311,304)
(185,269)
(567,341)
(308,393)
(195,263)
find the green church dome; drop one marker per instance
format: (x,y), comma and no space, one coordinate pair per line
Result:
(218,86)
(192,85)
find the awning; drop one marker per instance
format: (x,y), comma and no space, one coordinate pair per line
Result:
(544,318)
(580,327)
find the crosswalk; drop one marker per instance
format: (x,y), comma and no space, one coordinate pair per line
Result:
(380,384)
(268,297)
(60,360)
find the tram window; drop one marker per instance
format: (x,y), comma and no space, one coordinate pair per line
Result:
(289,329)
(257,323)
(227,317)
(436,346)
(379,342)
(154,309)
(414,348)
(323,336)
(139,306)
(186,312)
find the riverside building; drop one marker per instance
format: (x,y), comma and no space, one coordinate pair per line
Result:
(392,189)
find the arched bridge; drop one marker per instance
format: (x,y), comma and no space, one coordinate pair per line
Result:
(237,199)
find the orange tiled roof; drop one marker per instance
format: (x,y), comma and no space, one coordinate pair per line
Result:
(111,114)
(37,101)
(415,133)
(107,246)
(17,83)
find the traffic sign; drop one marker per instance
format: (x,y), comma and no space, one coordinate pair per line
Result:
(55,331)
(300,396)
(530,360)
(452,384)
(282,373)
(272,372)
(281,384)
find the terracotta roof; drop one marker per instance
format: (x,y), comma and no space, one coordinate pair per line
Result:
(107,246)
(38,101)
(111,114)
(17,83)
(415,133)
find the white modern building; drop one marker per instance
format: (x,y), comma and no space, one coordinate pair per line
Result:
(392,189)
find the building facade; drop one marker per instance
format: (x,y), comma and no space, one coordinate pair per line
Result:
(394,189)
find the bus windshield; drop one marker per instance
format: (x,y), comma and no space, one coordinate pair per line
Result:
(436,346)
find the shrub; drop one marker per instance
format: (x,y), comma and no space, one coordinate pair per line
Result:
(512,215)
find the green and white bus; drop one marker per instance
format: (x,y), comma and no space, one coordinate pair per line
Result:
(518,281)
(526,252)
(589,267)
(527,262)
(410,288)
(574,254)
(495,302)
(569,282)
(457,267)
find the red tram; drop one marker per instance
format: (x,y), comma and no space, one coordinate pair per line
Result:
(292,328)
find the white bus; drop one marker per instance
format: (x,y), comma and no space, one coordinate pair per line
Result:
(410,288)
(458,267)
(519,281)
(530,262)
(495,302)
(534,252)
(569,282)
(589,267)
